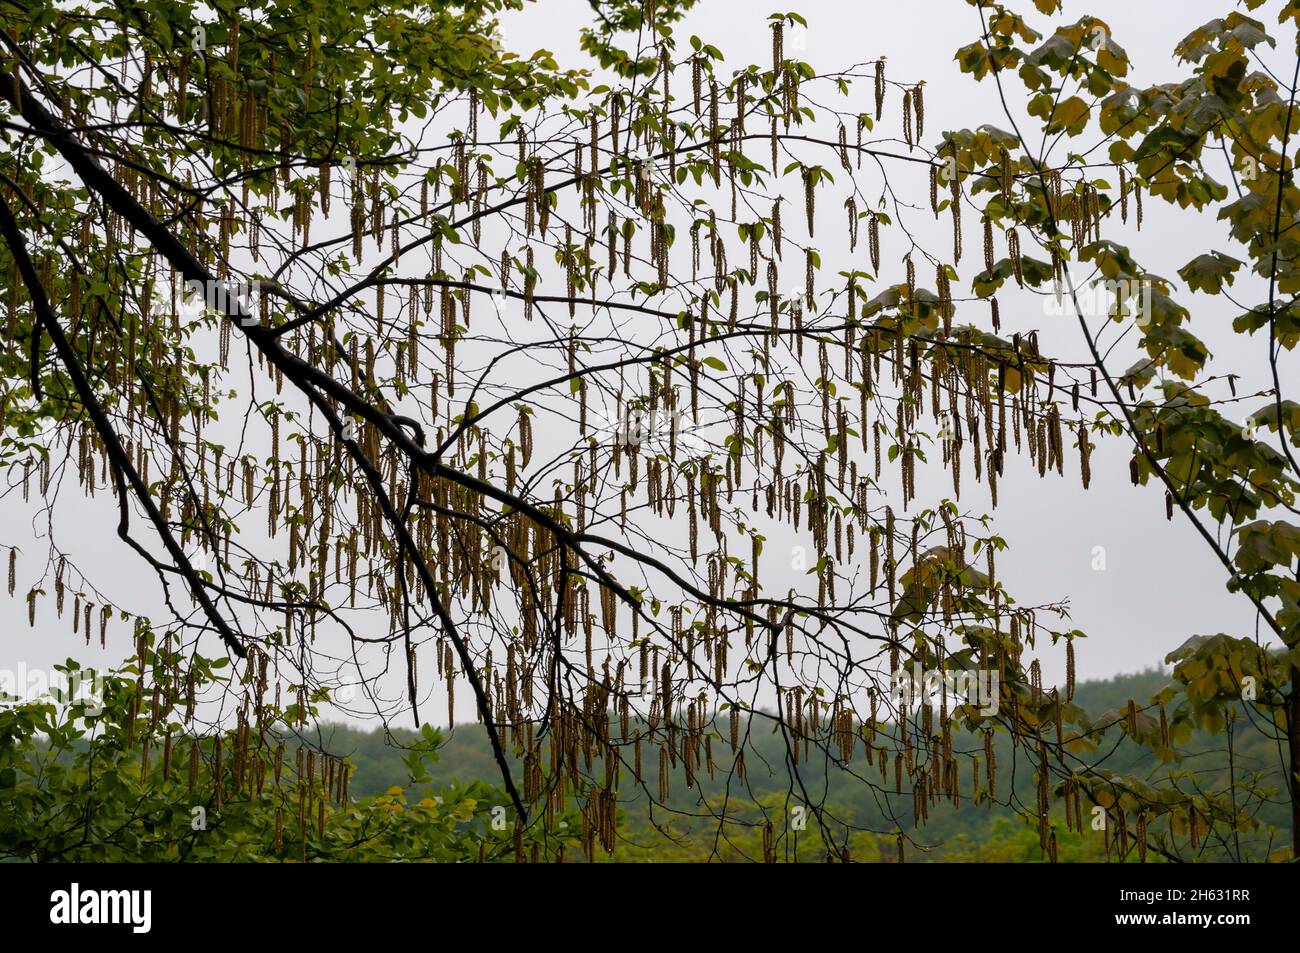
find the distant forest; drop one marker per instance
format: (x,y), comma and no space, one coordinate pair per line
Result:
(688,829)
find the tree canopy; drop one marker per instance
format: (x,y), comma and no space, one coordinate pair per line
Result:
(418,369)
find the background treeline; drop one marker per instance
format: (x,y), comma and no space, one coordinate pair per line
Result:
(970,832)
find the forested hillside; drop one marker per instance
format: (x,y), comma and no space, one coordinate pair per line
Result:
(969,832)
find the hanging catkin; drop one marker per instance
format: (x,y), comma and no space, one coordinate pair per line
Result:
(525,436)
(955,206)
(1013,251)
(911,289)
(809,197)
(944,289)
(907,120)
(809,278)
(880,89)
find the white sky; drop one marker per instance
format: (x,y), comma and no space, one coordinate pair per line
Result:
(1160,585)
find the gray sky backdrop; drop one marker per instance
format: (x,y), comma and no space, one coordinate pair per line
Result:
(1160,584)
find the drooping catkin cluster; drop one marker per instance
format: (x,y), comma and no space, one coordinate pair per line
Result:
(491,521)
(880,89)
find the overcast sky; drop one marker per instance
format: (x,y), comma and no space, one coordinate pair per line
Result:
(1160,585)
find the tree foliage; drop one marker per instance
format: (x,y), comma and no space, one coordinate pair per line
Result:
(412,365)
(106,777)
